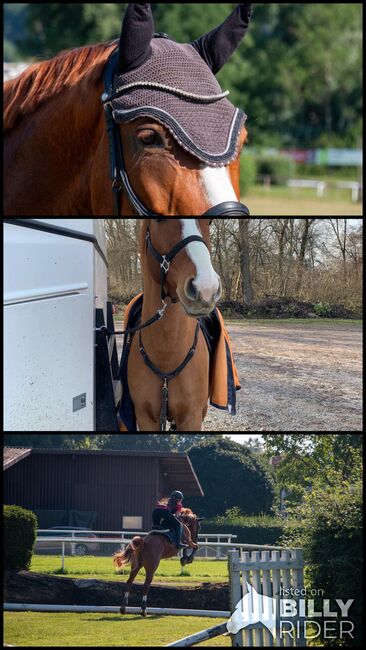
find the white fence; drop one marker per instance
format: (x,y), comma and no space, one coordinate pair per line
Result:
(271,574)
(211,545)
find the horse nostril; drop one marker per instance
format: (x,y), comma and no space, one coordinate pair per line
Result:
(190,290)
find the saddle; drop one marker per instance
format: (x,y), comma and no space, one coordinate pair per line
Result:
(163,530)
(224,380)
(168,533)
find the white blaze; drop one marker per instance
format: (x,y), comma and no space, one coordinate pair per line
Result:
(217,185)
(207,281)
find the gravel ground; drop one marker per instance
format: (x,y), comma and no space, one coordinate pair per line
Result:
(295,377)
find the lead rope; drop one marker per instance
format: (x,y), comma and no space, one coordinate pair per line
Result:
(158,316)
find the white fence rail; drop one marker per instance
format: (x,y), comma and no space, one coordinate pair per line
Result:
(121,543)
(110,609)
(76,539)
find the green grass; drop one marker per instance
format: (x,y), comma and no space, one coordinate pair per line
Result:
(35,629)
(101,568)
(109,630)
(282,201)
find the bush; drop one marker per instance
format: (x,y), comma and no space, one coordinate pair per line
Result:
(248,173)
(280,168)
(330,533)
(20,531)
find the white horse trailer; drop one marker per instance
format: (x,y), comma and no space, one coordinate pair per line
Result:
(60,374)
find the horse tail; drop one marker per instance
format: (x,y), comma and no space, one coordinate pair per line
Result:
(131,554)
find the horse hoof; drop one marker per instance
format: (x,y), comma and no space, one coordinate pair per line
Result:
(143,612)
(122,609)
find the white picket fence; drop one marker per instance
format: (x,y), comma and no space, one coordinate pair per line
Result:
(263,576)
(275,574)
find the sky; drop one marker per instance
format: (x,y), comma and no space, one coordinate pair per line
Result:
(243,437)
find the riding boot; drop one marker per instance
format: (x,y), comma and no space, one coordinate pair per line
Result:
(179,533)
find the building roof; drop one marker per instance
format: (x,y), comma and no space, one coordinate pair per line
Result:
(13,455)
(177,466)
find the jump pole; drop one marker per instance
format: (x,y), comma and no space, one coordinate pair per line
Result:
(205,635)
(79,609)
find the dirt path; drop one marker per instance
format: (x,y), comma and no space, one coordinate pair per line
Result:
(295,377)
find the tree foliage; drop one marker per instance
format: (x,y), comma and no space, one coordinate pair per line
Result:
(326,520)
(231,476)
(298,73)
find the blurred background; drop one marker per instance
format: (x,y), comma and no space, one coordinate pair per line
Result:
(297,75)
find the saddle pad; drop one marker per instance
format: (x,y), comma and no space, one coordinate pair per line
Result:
(224,380)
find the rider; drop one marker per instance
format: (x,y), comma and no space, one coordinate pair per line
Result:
(164,515)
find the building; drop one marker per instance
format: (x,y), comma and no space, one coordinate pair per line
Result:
(103,490)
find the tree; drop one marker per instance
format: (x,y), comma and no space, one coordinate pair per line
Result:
(231,476)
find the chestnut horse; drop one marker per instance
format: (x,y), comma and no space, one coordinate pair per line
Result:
(171,355)
(148,551)
(59,160)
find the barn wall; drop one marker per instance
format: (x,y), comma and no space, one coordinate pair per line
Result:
(112,485)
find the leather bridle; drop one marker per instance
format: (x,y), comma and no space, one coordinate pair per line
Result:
(166,260)
(118,172)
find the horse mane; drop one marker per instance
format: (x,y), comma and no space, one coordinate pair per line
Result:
(163,501)
(42,81)
(143,229)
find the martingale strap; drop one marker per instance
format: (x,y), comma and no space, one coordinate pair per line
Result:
(167,377)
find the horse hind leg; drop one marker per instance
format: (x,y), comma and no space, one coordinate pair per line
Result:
(148,580)
(129,584)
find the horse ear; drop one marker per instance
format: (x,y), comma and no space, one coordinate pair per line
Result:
(217,46)
(135,41)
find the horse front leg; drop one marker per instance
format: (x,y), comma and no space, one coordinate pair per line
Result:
(188,538)
(129,584)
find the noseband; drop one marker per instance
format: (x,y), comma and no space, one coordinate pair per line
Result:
(118,172)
